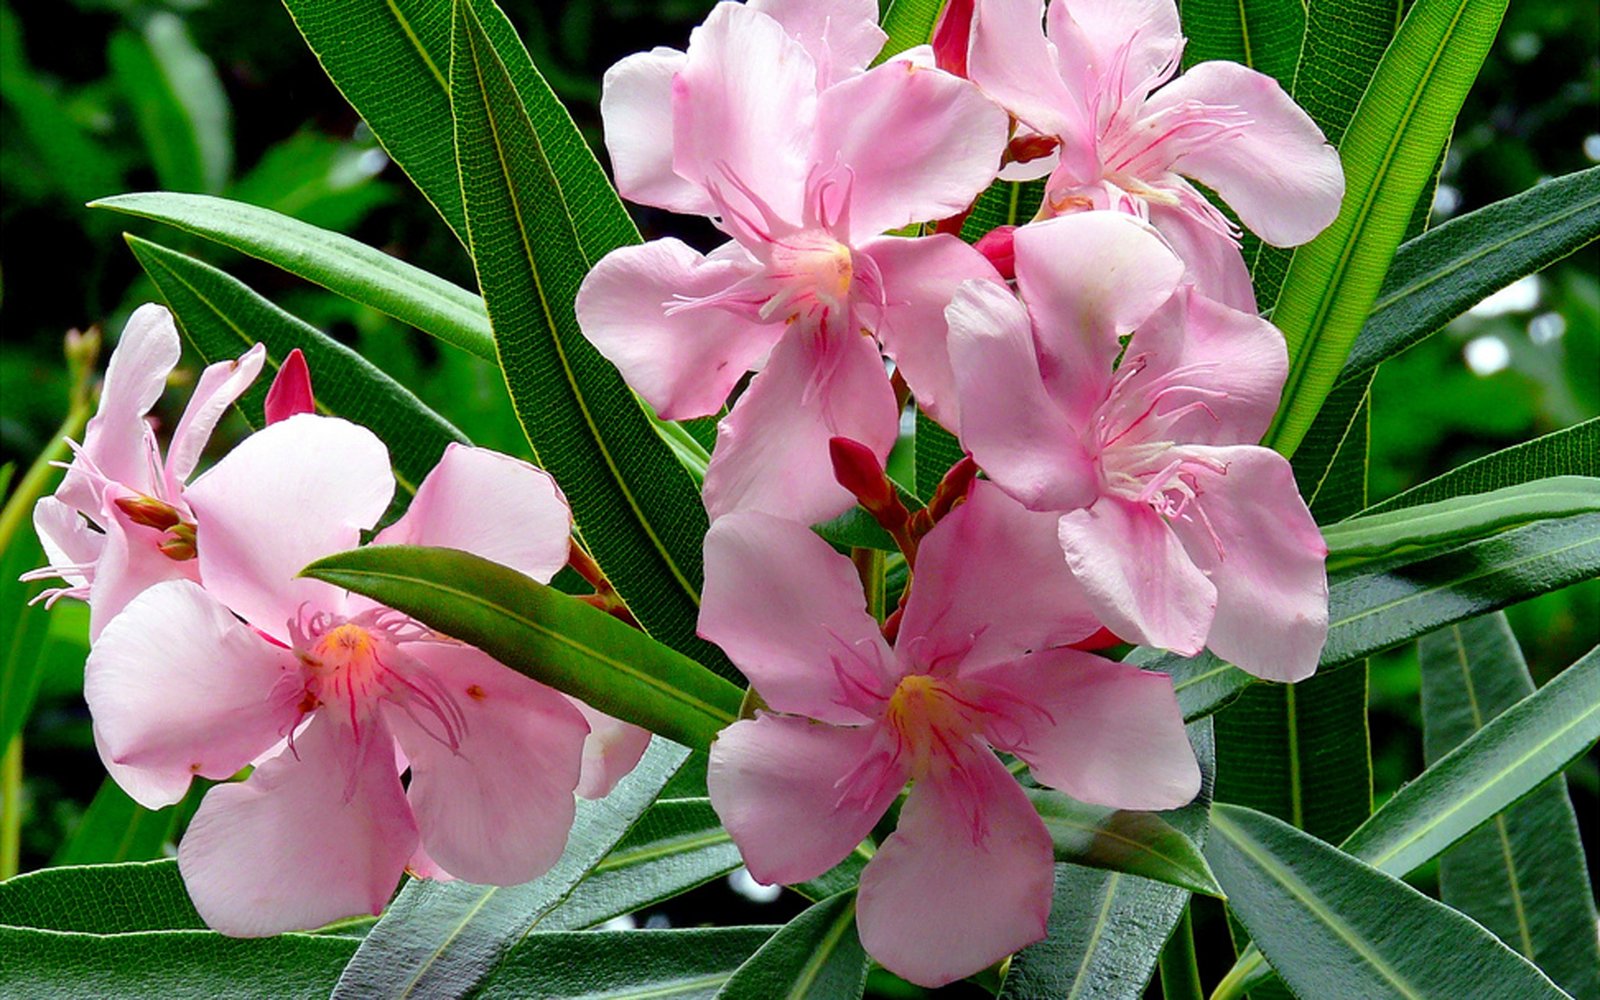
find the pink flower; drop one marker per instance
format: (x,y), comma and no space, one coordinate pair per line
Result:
(1102,83)
(803,159)
(119,522)
(331,696)
(1181,530)
(979,663)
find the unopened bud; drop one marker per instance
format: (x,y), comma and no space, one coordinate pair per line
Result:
(1033,146)
(951,37)
(1103,639)
(858,470)
(953,488)
(149,511)
(82,348)
(177,548)
(291,389)
(999,245)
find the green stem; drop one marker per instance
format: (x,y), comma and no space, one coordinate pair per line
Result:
(869,564)
(11,808)
(32,486)
(1180,975)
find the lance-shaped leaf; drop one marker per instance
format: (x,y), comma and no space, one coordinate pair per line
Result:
(625,965)
(1139,843)
(1570,451)
(178,103)
(1334,927)
(446,939)
(1445,271)
(636,508)
(816,956)
(1389,154)
(222,317)
(1266,35)
(538,631)
(100,899)
(908,23)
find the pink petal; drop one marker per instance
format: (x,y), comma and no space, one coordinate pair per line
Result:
(743,105)
(290,392)
(116,440)
(772,450)
(66,537)
(683,363)
(497,809)
(1015,64)
(1137,576)
(178,685)
(286,496)
(219,386)
(153,788)
(920,144)
(1271,580)
(491,505)
(987,546)
(636,106)
(610,751)
(129,563)
(920,276)
(775,781)
(1278,173)
(1088,279)
(790,612)
(311,836)
(841,35)
(1012,425)
(937,902)
(1103,732)
(1091,35)
(1214,265)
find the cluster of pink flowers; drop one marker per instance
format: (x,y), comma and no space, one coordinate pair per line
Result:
(209,654)
(1103,366)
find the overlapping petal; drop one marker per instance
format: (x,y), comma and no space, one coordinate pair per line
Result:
(636,105)
(841,35)
(219,386)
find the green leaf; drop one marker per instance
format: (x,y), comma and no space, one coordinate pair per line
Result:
(1333,927)
(444,940)
(816,956)
(338,263)
(222,317)
(625,965)
(1389,154)
(536,630)
(1570,451)
(116,828)
(178,103)
(635,507)
(1003,203)
(162,965)
(908,23)
(1442,273)
(1457,520)
(1521,875)
(936,450)
(100,899)
(677,845)
(1139,843)
(1265,35)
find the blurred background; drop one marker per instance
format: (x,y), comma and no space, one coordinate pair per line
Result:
(100,97)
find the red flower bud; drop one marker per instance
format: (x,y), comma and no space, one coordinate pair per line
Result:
(291,390)
(999,245)
(951,35)
(858,470)
(1031,147)
(149,511)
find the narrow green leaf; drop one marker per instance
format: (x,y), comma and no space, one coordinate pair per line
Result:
(634,505)
(161,965)
(1571,451)
(1265,35)
(1522,874)
(100,899)
(936,451)
(677,845)
(625,965)
(115,828)
(1442,273)
(1389,153)
(1457,520)
(908,23)
(1003,203)
(1334,927)
(222,317)
(443,940)
(1202,683)
(1138,843)
(816,956)
(178,103)
(545,634)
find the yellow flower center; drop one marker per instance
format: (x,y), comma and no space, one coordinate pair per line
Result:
(931,718)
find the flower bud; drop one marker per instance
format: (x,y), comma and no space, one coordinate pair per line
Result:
(858,470)
(999,246)
(951,37)
(149,511)
(1033,146)
(291,390)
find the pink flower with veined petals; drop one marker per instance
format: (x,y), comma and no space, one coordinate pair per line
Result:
(804,159)
(979,663)
(332,696)
(1183,533)
(119,523)
(1102,82)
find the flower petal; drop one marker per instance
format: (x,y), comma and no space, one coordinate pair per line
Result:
(610,751)
(1103,732)
(993,545)
(497,809)
(1010,58)
(1137,576)
(217,389)
(66,538)
(1213,263)
(129,562)
(491,505)
(775,783)
(772,450)
(310,485)
(1278,173)
(1092,36)
(683,363)
(636,107)
(939,902)
(841,35)
(920,276)
(1271,577)
(1012,425)
(790,612)
(178,685)
(312,835)
(919,144)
